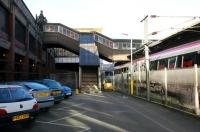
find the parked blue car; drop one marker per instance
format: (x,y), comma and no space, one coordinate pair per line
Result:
(67,91)
(56,89)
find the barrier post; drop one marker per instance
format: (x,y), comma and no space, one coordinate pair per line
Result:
(165,84)
(131,87)
(196,92)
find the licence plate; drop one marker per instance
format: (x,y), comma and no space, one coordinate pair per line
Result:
(68,93)
(42,94)
(56,92)
(20,117)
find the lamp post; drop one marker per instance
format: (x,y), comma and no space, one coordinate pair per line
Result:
(131,82)
(146,48)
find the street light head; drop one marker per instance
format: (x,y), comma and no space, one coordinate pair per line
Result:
(125,34)
(154,33)
(153,16)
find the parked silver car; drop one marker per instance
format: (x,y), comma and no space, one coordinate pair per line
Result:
(41,93)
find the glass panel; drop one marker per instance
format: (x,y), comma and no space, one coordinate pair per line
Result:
(76,36)
(20,31)
(50,28)
(13,94)
(129,45)
(32,46)
(162,63)
(172,63)
(96,38)
(188,60)
(116,45)
(72,35)
(104,41)
(179,62)
(4,19)
(68,33)
(198,58)
(111,44)
(55,28)
(60,29)
(100,40)
(153,65)
(64,31)
(124,46)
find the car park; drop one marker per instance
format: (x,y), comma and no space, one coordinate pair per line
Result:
(56,89)
(16,106)
(41,93)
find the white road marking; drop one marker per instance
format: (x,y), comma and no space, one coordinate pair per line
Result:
(58,124)
(144,115)
(70,106)
(96,95)
(77,114)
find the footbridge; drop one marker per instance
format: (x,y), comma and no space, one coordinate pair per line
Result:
(90,47)
(59,35)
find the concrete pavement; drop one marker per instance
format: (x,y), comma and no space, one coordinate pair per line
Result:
(108,112)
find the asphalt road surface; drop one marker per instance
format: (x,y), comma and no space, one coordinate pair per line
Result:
(111,112)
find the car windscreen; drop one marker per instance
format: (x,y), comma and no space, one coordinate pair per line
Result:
(14,94)
(53,84)
(36,86)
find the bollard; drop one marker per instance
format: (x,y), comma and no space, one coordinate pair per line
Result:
(77,91)
(131,87)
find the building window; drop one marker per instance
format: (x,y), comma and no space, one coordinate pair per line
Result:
(111,44)
(124,45)
(76,36)
(60,29)
(20,31)
(72,35)
(107,43)
(4,19)
(64,31)
(96,38)
(128,45)
(68,33)
(104,41)
(100,40)
(32,46)
(116,45)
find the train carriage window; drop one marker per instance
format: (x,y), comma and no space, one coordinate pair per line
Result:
(172,62)
(162,64)
(179,62)
(153,65)
(188,60)
(198,58)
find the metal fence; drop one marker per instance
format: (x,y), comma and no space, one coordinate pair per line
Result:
(69,79)
(178,88)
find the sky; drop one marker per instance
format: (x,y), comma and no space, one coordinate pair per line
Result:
(119,16)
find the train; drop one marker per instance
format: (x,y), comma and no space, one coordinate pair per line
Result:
(176,68)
